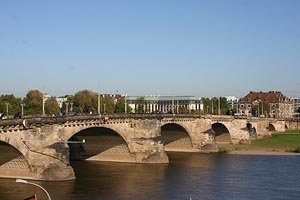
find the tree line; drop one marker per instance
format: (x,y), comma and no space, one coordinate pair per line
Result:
(84,101)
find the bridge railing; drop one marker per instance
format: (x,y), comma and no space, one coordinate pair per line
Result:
(80,117)
(38,119)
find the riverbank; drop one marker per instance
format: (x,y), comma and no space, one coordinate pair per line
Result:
(286,143)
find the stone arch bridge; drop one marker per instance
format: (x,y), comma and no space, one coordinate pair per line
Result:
(40,148)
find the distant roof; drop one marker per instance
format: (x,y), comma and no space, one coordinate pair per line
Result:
(271,96)
(162,98)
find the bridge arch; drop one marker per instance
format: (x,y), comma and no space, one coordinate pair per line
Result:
(101,144)
(222,134)
(271,127)
(252,130)
(13,162)
(176,137)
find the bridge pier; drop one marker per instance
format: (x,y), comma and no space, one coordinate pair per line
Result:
(36,157)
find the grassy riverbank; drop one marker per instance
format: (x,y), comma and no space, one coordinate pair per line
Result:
(280,143)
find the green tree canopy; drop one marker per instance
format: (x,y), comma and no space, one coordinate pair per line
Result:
(140,105)
(120,106)
(84,101)
(12,102)
(33,103)
(51,106)
(107,104)
(211,105)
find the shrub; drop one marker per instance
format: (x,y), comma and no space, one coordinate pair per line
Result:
(223,150)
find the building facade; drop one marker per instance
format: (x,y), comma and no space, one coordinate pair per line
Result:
(164,104)
(232,103)
(296,104)
(266,104)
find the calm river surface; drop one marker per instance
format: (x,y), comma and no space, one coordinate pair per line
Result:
(188,175)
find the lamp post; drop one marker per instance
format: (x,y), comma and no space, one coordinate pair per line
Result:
(22,106)
(219,106)
(43,104)
(262,109)
(67,105)
(31,183)
(212,106)
(125,104)
(6,108)
(71,109)
(99,103)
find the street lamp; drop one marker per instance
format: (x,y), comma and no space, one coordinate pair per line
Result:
(67,109)
(43,104)
(22,105)
(6,108)
(18,180)
(71,109)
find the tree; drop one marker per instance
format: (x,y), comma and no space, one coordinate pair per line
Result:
(12,102)
(84,101)
(120,106)
(51,106)
(33,102)
(211,105)
(224,105)
(140,105)
(108,104)
(206,105)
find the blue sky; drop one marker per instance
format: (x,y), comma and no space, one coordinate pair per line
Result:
(139,47)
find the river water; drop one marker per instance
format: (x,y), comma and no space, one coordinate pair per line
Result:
(187,176)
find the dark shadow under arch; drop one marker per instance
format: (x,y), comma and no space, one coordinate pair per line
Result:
(252,131)
(175,138)
(272,128)
(101,144)
(222,134)
(8,152)
(13,163)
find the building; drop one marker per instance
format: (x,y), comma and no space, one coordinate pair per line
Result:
(232,102)
(60,100)
(164,104)
(266,104)
(296,104)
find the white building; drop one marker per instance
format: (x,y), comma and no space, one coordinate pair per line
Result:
(232,102)
(296,106)
(164,104)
